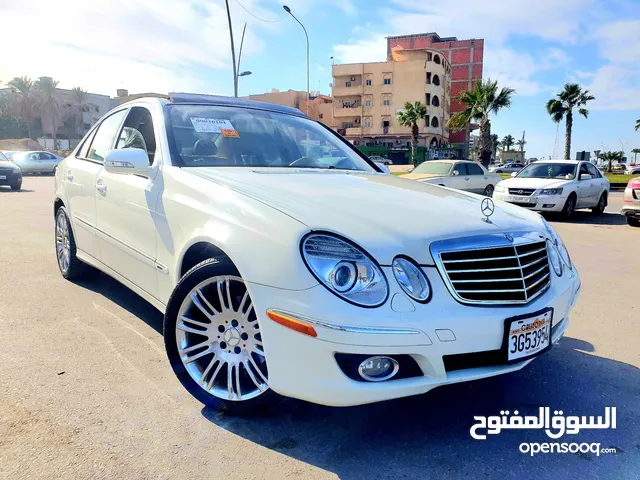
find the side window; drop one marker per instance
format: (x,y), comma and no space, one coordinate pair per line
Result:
(583,170)
(474,169)
(593,170)
(103,139)
(462,169)
(33,156)
(137,132)
(84,149)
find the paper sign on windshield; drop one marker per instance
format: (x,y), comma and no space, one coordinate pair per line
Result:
(229,133)
(210,125)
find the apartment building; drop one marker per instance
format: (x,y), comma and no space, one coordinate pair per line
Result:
(368,96)
(320,106)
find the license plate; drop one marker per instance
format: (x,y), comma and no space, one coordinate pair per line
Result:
(3,177)
(513,198)
(529,335)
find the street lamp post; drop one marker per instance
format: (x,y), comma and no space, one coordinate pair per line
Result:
(233,52)
(288,10)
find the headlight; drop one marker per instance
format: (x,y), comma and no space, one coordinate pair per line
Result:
(554,258)
(499,188)
(345,269)
(411,279)
(551,191)
(557,241)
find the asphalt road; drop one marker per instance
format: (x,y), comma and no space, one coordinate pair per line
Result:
(86,390)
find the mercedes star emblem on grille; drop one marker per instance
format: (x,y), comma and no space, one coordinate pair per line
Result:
(487,207)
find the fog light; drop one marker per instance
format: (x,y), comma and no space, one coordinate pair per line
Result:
(548,205)
(377,369)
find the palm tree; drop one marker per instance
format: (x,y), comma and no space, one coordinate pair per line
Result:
(611,157)
(75,110)
(637,125)
(481,101)
(521,143)
(23,99)
(507,142)
(495,144)
(635,152)
(409,117)
(49,103)
(573,96)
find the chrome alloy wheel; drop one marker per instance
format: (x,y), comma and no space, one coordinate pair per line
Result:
(219,342)
(63,242)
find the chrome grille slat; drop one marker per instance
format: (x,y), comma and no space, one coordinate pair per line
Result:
(494,269)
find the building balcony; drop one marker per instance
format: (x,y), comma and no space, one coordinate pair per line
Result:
(348,112)
(347,91)
(353,131)
(347,69)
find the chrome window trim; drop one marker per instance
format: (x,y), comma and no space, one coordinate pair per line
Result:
(485,242)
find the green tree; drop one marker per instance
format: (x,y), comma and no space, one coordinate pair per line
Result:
(409,117)
(495,144)
(635,152)
(23,100)
(611,157)
(12,127)
(75,110)
(573,96)
(507,142)
(480,102)
(521,143)
(50,103)
(637,125)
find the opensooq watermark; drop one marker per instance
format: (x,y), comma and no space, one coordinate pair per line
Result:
(555,426)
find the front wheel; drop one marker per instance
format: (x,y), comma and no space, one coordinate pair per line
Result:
(488,191)
(634,222)
(569,206)
(213,340)
(16,186)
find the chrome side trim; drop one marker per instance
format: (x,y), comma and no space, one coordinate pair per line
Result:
(84,222)
(349,329)
(143,256)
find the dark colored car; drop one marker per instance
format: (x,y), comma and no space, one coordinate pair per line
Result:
(10,173)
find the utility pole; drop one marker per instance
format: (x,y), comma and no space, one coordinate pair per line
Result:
(288,10)
(233,52)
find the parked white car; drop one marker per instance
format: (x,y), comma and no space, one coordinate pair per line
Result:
(459,174)
(632,170)
(379,159)
(556,186)
(506,168)
(36,162)
(282,272)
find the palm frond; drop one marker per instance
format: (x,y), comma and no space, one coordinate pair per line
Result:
(584,112)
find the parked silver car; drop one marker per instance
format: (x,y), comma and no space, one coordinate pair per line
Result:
(506,168)
(36,162)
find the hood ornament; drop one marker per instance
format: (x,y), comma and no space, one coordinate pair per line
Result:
(487,208)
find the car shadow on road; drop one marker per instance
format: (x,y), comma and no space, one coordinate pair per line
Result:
(122,296)
(8,190)
(427,436)
(589,218)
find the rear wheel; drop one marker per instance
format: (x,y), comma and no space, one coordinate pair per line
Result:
(488,191)
(602,203)
(213,341)
(569,206)
(634,222)
(70,266)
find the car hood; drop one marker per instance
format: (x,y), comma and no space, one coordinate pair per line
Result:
(4,163)
(533,183)
(386,215)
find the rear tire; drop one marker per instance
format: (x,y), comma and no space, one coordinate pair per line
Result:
(211,333)
(70,266)
(569,206)
(602,203)
(634,222)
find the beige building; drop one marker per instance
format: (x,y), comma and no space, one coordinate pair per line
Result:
(368,96)
(509,156)
(319,105)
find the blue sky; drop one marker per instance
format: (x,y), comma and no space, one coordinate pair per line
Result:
(183,45)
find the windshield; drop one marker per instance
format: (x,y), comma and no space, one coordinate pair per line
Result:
(562,171)
(433,168)
(3,158)
(214,136)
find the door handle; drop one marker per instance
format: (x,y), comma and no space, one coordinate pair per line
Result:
(102,188)
(70,176)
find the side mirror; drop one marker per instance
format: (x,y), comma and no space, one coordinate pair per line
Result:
(455,173)
(585,176)
(127,161)
(514,174)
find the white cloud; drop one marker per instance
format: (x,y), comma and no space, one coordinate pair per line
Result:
(370,48)
(620,41)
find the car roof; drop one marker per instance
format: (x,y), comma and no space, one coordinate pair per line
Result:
(568,162)
(219,100)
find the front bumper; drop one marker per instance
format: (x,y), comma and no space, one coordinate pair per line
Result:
(535,202)
(304,367)
(11,177)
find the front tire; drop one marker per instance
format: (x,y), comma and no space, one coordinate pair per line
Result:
(602,203)
(569,206)
(70,266)
(634,222)
(213,341)
(16,186)
(488,191)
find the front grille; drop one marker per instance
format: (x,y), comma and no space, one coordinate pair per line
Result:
(522,191)
(523,205)
(511,273)
(6,171)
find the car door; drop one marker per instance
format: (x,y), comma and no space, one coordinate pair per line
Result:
(585,189)
(458,181)
(126,208)
(599,182)
(81,172)
(477,179)
(47,162)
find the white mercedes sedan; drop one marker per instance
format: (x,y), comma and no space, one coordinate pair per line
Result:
(287,265)
(459,174)
(556,186)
